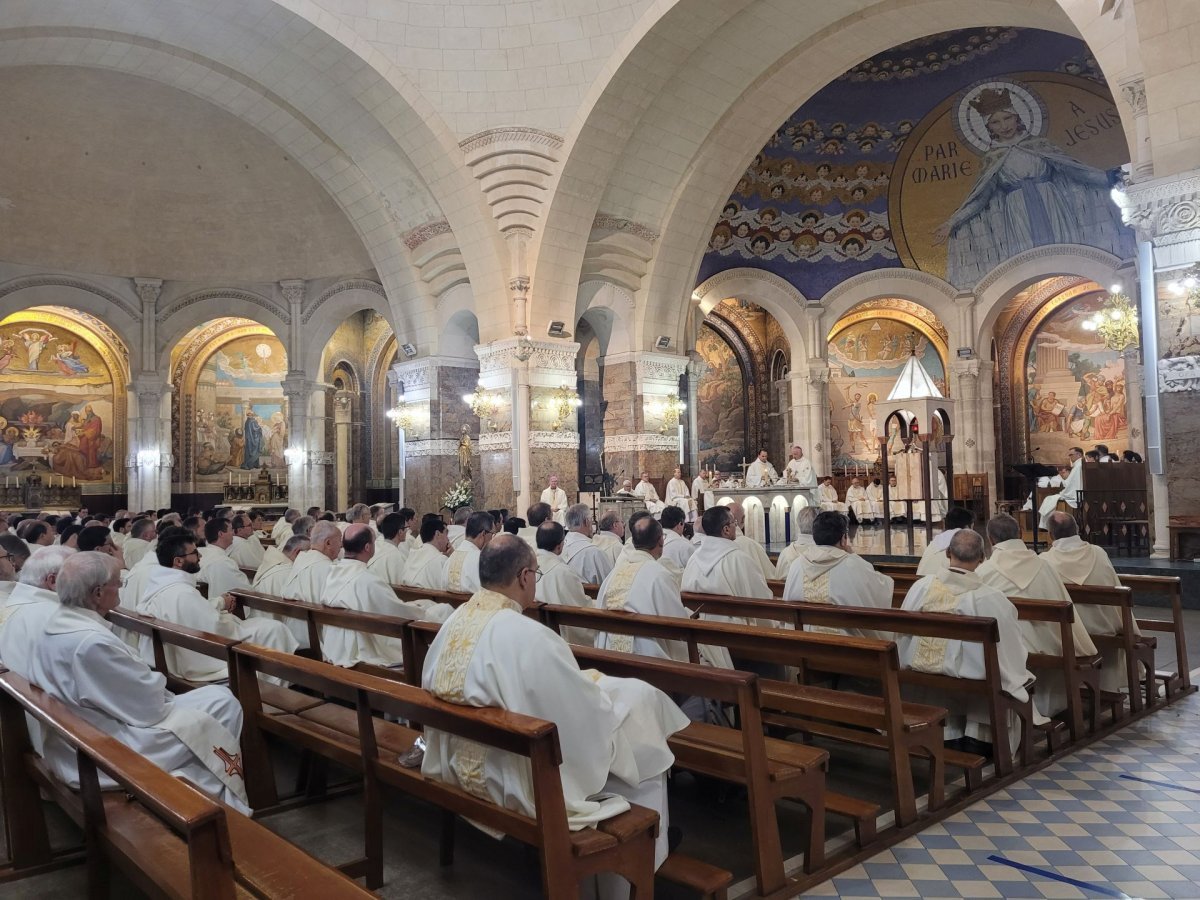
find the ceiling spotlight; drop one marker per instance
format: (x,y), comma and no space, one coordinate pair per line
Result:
(409,350)
(662,342)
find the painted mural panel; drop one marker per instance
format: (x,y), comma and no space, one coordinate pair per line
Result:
(1075,386)
(865,359)
(56,401)
(241,420)
(963,148)
(720,410)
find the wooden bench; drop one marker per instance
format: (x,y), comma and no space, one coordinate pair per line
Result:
(164,834)
(972,629)
(1179,681)
(351,736)
(1139,650)
(409,593)
(908,729)
(769,769)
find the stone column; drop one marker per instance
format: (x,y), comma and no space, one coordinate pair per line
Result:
(639,434)
(306,455)
(431,391)
(696,370)
(150,459)
(815,415)
(1134,93)
(968,430)
(343,450)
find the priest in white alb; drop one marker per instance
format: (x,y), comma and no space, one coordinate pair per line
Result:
(556,498)
(934,559)
(761,473)
(310,571)
(702,492)
(957,589)
(29,604)
(856,500)
(217,568)
(677,549)
(799,470)
(679,495)
(649,494)
(559,583)
(875,498)
(170,594)
(579,552)
(827,496)
(276,569)
(609,536)
(462,572)
(137,544)
(457,529)
(830,572)
(247,549)
(803,523)
(1017,571)
(719,566)
(352,585)
(613,732)
(1069,494)
(426,567)
(282,529)
(752,548)
(80,662)
(391,550)
(1078,562)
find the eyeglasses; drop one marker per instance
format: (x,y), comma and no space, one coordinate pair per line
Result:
(537,574)
(6,556)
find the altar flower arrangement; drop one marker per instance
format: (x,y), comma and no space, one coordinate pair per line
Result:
(460,495)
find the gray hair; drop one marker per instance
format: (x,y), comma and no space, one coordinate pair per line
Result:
(461,515)
(578,514)
(82,574)
(966,546)
(1061,525)
(142,529)
(297,542)
(291,515)
(610,520)
(43,563)
(1002,528)
(322,532)
(303,525)
(353,513)
(804,519)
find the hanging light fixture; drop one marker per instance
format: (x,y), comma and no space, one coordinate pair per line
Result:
(484,404)
(562,403)
(1115,322)
(1187,285)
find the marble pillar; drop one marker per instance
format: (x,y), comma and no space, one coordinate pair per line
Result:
(308,460)
(150,461)
(814,415)
(641,427)
(969,435)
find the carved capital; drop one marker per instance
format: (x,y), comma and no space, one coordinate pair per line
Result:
(1134,92)
(148,290)
(966,368)
(661,367)
(293,291)
(1164,210)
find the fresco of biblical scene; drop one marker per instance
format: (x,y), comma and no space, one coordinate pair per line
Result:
(1075,386)
(56,403)
(865,359)
(241,420)
(721,406)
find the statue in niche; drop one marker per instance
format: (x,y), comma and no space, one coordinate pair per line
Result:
(464,455)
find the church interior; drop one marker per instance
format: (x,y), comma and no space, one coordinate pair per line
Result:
(849,279)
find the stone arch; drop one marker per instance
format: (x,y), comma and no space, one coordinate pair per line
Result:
(458,325)
(317,326)
(922,288)
(609,309)
(177,318)
(774,294)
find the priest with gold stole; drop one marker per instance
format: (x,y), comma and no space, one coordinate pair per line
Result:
(462,572)
(1017,571)
(613,731)
(957,589)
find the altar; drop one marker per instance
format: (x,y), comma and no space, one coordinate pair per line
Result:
(770,509)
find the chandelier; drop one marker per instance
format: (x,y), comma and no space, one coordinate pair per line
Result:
(561,404)
(669,410)
(1115,322)
(401,415)
(483,403)
(1188,285)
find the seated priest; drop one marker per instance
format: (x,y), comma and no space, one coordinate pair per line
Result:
(702,492)
(310,572)
(352,585)
(462,572)
(391,550)
(827,496)
(217,568)
(426,567)
(752,548)
(276,571)
(559,583)
(875,497)
(590,563)
(830,572)
(556,498)
(649,494)
(282,529)
(534,517)
(626,490)
(956,588)
(247,549)
(677,549)
(1078,562)
(679,495)
(612,731)
(1017,571)
(141,533)
(170,594)
(859,504)
(80,662)
(610,535)
(897,508)
(803,523)
(934,558)
(1069,493)
(719,565)
(761,473)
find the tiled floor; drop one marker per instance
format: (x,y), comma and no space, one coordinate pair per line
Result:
(1120,818)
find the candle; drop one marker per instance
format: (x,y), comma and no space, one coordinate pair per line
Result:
(73,482)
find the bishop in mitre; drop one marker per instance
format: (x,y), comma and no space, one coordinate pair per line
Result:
(1017,571)
(957,589)
(613,731)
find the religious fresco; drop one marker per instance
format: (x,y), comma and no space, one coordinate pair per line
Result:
(1075,391)
(963,150)
(239,419)
(57,400)
(720,407)
(865,359)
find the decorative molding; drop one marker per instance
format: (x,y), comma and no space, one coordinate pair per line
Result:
(422,233)
(347,284)
(293,290)
(970,442)
(31,281)
(637,443)
(320,457)
(437,447)
(1078,251)
(665,369)
(818,374)
(864,280)
(966,368)
(495,441)
(752,274)
(518,134)
(216,294)
(165,461)
(606,222)
(908,308)
(1134,92)
(1179,374)
(554,440)
(412,375)
(547,356)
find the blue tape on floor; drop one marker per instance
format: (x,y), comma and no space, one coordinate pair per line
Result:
(1167,784)
(1046,873)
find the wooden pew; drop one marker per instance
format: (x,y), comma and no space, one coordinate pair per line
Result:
(351,736)
(164,834)
(1179,681)
(907,729)
(409,593)
(973,629)
(769,769)
(1139,650)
